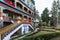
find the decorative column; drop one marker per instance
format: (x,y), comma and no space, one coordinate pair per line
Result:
(1,17)
(0,37)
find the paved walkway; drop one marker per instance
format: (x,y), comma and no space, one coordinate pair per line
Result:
(53,30)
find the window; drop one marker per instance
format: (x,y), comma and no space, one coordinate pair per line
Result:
(25,9)
(19,5)
(24,0)
(29,11)
(25,17)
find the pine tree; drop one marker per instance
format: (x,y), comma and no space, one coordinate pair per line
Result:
(54,13)
(37,15)
(58,11)
(45,16)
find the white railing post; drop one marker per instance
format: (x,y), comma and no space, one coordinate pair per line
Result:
(0,36)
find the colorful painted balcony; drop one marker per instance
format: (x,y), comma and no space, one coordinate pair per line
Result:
(23,1)
(29,20)
(10,2)
(20,7)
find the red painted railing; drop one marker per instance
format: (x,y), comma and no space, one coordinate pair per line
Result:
(8,2)
(30,21)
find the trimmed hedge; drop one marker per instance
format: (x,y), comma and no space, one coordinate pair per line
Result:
(57,29)
(36,36)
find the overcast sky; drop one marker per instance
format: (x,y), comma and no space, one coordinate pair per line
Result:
(42,4)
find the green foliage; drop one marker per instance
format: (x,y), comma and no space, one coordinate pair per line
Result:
(45,16)
(55,12)
(42,36)
(37,15)
(40,23)
(54,9)
(57,29)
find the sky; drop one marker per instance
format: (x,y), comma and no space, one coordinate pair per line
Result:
(42,4)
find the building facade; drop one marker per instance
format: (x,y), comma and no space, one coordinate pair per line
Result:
(15,14)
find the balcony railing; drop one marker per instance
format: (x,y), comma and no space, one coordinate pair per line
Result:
(23,10)
(26,5)
(16,9)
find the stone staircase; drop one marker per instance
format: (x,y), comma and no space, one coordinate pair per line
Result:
(8,31)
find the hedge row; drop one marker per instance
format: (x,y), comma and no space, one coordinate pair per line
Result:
(47,36)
